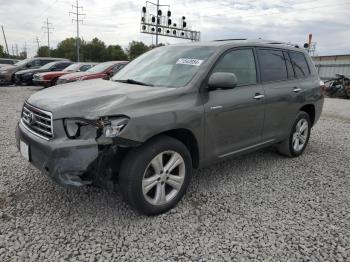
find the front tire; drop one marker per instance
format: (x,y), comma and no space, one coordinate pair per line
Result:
(295,144)
(154,177)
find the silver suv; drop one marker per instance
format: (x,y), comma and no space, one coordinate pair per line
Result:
(173,109)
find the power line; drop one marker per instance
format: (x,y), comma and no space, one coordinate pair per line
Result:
(48,27)
(77,19)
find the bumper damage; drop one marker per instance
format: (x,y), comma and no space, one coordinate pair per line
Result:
(75,162)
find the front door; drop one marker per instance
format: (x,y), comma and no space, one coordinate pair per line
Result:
(234,117)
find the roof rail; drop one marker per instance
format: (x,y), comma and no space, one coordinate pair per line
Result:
(263,41)
(232,39)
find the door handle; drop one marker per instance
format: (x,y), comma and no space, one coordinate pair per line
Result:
(296,89)
(258,96)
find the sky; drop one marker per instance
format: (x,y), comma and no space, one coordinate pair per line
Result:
(118,21)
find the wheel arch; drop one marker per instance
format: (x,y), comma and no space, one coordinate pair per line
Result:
(187,138)
(310,110)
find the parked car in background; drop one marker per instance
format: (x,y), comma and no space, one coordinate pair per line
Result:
(49,78)
(26,76)
(7,61)
(103,70)
(7,73)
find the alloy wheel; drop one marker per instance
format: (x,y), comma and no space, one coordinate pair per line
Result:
(163,178)
(300,135)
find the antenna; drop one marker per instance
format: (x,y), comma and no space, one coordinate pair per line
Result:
(77,13)
(48,27)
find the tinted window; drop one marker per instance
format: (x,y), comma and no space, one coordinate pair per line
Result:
(241,63)
(289,65)
(85,67)
(272,65)
(300,65)
(62,65)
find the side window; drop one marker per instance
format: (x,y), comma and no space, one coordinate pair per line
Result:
(61,66)
(43,62)
(241,63)
(289,65)
(35,62)
(85,67)
(300,65)
(272,65)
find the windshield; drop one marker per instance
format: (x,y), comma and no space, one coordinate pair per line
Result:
(170,66)
(23,62)
(100,67)
(73,67)
(48,65)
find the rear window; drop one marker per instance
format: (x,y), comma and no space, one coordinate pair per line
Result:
(300,65)
(272,65)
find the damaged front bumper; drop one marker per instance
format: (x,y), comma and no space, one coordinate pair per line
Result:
(72,162)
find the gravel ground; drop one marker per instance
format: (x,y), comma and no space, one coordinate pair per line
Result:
(256,207)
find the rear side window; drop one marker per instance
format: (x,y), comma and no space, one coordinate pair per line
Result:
(272,65)
(300,65)
(241,63)
(289,65)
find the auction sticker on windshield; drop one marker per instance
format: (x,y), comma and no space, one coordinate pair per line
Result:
(189,61)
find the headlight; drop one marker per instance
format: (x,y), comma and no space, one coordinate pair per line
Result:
(84,129)
(77,127)
(114,126)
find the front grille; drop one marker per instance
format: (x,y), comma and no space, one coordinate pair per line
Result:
(37,121)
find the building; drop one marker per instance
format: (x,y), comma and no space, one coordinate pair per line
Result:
(329,66)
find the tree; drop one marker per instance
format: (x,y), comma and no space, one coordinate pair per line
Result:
(43,51)
(95,50)
(2,52)
(66,49)
(136,48)
(115,52)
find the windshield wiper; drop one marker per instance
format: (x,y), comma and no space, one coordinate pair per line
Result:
(135,82)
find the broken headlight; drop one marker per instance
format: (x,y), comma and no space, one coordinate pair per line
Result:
(82,128)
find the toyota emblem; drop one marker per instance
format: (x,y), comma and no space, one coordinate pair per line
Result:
(31,118)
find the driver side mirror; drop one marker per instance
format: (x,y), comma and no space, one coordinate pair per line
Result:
(222,80)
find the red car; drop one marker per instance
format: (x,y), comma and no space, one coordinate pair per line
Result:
(104,70)
(47,79)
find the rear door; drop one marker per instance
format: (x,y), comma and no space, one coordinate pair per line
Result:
(279,83)
(234,117)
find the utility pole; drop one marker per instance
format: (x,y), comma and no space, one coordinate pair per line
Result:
(3,32)
(38,42)
(158,19)
(48,26)
(77,13)
(16,49)
(25,49)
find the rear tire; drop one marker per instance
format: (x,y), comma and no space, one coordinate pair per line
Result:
(295,144)
(53,82)
(154,177)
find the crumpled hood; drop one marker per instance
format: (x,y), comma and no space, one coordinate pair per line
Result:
(96,98)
